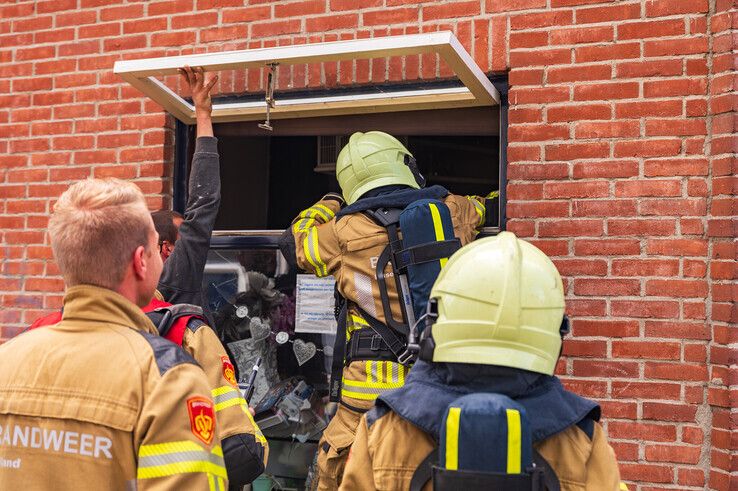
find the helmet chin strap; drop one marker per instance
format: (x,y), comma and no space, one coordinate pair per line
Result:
(413,166)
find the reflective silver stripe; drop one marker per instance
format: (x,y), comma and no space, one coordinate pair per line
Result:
(395,375)
(364,296)
(321,268)
(366,390)
(188,456)
(374,377)
(234,394)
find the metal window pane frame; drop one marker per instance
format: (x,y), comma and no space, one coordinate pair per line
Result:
(477,89)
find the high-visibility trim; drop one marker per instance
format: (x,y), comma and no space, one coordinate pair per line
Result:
(438,228)
(304,224)
(329,213)
(227,396)
(513,441)
(623,486)
(381,376)
(182,457)
(480,209)
(257,431)
(310,245)
(355,323)
(216,483)
(452,438)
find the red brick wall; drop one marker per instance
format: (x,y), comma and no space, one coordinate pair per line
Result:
(622,168)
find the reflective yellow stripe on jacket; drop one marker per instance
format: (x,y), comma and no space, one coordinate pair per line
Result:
(480,208)
(380,377)
(307,218)
(228,396)
(168,459)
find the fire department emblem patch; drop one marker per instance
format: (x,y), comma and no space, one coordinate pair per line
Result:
(202,418)
(229,373)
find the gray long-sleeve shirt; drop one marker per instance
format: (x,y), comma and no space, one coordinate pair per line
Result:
(181,279)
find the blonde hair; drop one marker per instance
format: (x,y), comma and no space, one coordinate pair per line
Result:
(96,226)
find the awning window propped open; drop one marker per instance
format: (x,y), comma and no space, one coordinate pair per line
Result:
(473,88)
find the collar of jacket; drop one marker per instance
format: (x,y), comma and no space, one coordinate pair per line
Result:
(395,199)
(88,303)
(431,387)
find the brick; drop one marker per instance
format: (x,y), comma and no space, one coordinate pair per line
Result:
(579,112)
(673,207)
(390,16)
(575,189)
(673,453)
(651,29)
(607,247)
(540,57)
(451,10)
(650,187)
(603,208)
(538,172)
(605,169)
(538,132)
(606,287)
(591,349)
(645,308)
(511,5)
(607,52)
(675,167)
(646,472)
(278,28)
(528,39)
(609,369)
(645,390)
(531,95)
(672,88)
(606,91)
(535,209)
(648,68)
(677,247)
(647,148)
(581,35)
(649,350)
(645,267)
(332,22)
(570,228)
(525,77)
(677,288)
(641,431)
(662,8)
(609,13)
(299,9)
(641,108)
(641,227)
(585,267)
(610,129)
(675,47)
(573,151)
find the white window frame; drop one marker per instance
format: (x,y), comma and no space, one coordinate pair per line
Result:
(477,89)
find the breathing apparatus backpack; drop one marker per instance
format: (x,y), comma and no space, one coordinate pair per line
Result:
(485,444)
(171,320)
(415,260)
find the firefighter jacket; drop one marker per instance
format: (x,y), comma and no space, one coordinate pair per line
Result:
(396,436)
(244,447)
(348,246)
(101,401)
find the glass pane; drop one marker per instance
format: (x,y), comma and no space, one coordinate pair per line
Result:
(250,295)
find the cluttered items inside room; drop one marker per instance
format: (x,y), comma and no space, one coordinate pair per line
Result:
(268,315)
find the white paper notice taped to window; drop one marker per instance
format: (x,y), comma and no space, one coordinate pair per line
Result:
(314,304)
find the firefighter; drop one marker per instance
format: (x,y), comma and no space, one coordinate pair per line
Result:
(100,401)
(244,447)
(184,241)
(495,326)
(375,171)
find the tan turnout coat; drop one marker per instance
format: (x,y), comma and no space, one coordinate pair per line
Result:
(100,401)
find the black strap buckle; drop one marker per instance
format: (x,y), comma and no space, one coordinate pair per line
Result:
(376,343)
